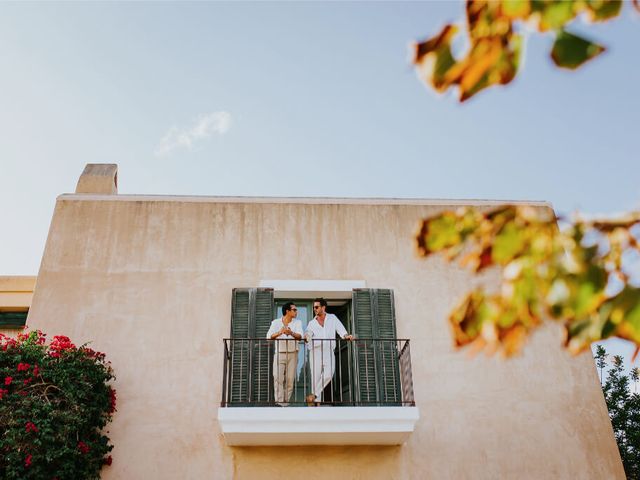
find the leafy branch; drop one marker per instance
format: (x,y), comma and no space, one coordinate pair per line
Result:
(577,272)
(495,33)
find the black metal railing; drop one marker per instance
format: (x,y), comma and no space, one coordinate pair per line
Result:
(361,372)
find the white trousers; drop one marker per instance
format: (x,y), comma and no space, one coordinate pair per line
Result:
(322,364)
(284,374)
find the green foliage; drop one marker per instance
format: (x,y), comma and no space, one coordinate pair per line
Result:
(494,30)
(577,275)
(635,376)
(571,51)
(54,402)
(601,360)
(624,411)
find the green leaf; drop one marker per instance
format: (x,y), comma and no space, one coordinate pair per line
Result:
(444,61)
(516,8)
(556,14)
(570,51)
(443,233)
(508,243)
(602,10)
(434,55)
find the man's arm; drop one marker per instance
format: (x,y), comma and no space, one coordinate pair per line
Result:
(296,331)
(276,335)
(342,331)
(273,332)
(309,333)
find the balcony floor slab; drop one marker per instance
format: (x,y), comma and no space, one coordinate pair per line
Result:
(259,426)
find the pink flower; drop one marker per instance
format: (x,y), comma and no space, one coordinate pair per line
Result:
(7,380)
(23,366)
(3,392)
(36,371)
(112,400)
(27,460)
(108,460)
(61,343)
(41,337)
(83,447)
(30,427)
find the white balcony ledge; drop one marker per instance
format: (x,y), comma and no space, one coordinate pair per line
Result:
(257,426)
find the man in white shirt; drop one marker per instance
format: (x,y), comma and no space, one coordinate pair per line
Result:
(286,332)
(321,335)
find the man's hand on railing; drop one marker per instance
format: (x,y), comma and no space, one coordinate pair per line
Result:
(349,337)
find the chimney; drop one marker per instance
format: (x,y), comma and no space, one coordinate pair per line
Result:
(101,178)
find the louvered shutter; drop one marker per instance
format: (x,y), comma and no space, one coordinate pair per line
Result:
(251,310)
(365,356)
(378,375)
(262,383)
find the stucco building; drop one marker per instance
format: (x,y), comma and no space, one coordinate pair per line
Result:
(158,283)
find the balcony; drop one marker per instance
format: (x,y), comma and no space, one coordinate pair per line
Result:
(363,392)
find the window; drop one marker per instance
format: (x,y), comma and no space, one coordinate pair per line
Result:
(368,371)
(13,319)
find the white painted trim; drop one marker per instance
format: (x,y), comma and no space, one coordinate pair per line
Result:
(254,426)
(334,289)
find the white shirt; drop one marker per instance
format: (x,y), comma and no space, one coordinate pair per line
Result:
(332,325)
(283,347)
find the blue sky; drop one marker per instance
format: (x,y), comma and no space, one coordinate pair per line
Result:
(304,99)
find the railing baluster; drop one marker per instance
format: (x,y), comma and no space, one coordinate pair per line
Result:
(272,386)
(393,355)
(366,371)
(340,367)
(259,371)
(305,365)
(223,402)
(349,354)
(383,355)
(322,373)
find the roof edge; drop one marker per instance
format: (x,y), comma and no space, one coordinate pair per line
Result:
(298,200)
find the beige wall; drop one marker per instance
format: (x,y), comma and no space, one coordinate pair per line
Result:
(148,280)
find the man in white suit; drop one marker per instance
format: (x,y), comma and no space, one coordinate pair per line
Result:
(321,336)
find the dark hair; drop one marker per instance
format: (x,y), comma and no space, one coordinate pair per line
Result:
(321,301)
(286,307)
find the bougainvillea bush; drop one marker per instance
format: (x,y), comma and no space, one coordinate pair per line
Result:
(55,400)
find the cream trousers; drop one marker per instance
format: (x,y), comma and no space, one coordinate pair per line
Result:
(284,374)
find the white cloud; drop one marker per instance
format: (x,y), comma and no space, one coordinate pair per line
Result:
(204,126)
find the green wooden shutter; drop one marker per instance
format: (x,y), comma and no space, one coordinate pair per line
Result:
(363,323)
(250,354)
(262,384)
(377,361)
(239,375)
